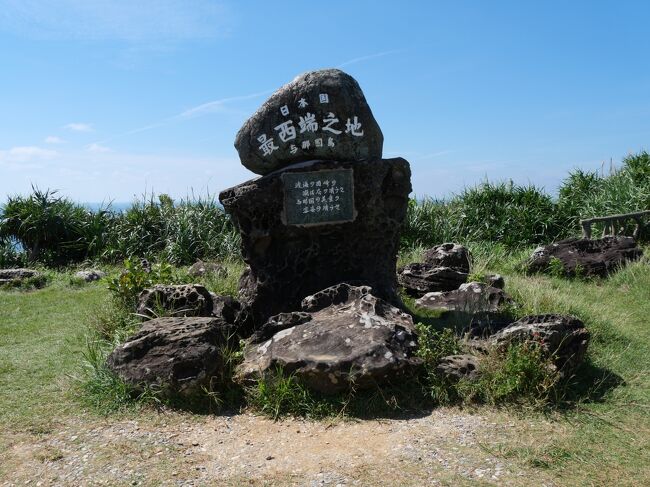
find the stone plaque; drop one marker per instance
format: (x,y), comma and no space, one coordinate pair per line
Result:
(318,197)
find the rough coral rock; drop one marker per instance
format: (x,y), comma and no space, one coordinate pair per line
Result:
(451,255)
(471,298)
(564,339)
(586,257)
(288,262)
(90,275)
(457,367)
(176,355)
(418,279)
(16,275)
(179,300)
(362,341)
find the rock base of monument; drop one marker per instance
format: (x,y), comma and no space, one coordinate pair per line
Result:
(318,224)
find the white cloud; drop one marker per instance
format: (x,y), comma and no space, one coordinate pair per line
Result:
(53,139)
(214,106)
(97,148)
(79,127)
(26,154)
(142,20)
(217,105)
(369,57)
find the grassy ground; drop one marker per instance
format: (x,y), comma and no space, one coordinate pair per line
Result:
(602,438)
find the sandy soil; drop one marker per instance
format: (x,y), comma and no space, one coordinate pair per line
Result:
(446,447)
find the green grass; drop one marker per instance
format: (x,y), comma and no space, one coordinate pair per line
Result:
(41,341)
(598,435)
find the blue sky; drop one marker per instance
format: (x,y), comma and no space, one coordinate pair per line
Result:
(104,100)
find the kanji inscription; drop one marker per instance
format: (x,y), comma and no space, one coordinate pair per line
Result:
(318,197)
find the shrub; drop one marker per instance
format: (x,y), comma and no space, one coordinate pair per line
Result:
(10,255)
(624,190)
(137,277)
(178,233)
(50,228)
(521,375)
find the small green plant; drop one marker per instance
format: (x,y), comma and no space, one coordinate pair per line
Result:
(279,394)
(101,388)
(520,375)
(135,278)
(555,268)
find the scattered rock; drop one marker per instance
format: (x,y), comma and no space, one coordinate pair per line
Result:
(483,325)
(471,298)
(177,355)
(457,367)
(338,294)
(225,307)
(319,115)
(9,276)
(586,257)
(90,275)
(200,269)
(180,300)
(418,279)
(363,340)
(495,280)
(278,323)
(563,338)
(289,262)
(449,255)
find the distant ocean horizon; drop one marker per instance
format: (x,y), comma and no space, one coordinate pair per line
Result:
(114,205)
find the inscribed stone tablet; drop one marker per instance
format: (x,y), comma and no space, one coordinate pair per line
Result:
(318,197)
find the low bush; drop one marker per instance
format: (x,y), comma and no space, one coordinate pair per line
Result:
(137,276)
(179,233)
(52,229)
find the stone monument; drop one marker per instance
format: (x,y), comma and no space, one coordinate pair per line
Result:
(327,208)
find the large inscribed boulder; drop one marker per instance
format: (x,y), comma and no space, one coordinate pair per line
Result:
(319,115)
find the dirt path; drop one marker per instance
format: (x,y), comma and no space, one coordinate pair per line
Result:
(447,447)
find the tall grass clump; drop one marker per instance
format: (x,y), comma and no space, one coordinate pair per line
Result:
(178,233)
(52,229)
(515,216)
(625,189)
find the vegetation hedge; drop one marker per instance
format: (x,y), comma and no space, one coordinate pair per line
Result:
(50,229)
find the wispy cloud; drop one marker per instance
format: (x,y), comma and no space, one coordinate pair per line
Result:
(214,106)
(97,148)
(218,105)
(53,139)
(144,20)
(26,154)
(369,57)
(79,127)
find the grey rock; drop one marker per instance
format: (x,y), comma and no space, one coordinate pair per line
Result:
(180,300)
(340,127)
(564,339)
(278,323)
(200,269)
(338,294)
(418,279)
(287,263)
(176,355)
(363,341)
(451,255)
(90,275)
(13,275)
(495,280)
(586,257)
(470,298)
(225,307)
(455,367)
